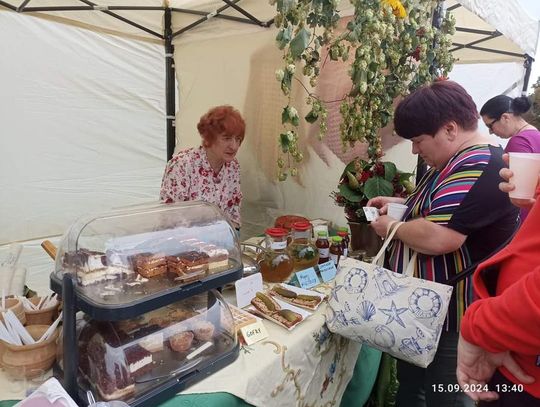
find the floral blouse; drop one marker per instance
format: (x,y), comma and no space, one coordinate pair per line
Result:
(189,177)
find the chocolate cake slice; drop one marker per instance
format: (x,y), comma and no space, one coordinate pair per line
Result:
(150,265)
(187,266)
(139,360)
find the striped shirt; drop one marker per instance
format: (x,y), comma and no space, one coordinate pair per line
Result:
(463,196)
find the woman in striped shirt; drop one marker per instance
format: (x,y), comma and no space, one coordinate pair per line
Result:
(456,216)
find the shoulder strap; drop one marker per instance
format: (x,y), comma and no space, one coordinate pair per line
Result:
(472,268)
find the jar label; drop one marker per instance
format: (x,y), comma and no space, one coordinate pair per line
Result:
(334,258)
(345,252)
(323,253)
(279,245)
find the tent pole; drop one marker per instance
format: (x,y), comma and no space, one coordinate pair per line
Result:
(170,101)
(527,64)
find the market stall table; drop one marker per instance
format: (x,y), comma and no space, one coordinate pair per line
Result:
(308,366)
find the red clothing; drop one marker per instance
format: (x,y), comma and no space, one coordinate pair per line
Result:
(511,319)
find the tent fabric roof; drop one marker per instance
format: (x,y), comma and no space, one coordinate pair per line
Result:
(483,21)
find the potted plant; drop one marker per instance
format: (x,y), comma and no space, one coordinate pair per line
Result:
(362,180)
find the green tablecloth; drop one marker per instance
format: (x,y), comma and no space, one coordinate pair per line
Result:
(356,394)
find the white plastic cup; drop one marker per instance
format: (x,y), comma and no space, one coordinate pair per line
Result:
(396,210)
(526,167)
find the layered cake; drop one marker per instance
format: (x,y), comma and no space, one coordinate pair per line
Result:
(95,267)
(187,266)
(139,360)
(150,265)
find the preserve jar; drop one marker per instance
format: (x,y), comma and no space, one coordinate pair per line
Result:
(336,249)
(275,262)
(344,234)
(323,245)
(303,252)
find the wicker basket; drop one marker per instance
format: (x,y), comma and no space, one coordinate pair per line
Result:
(30,360)
(44,316)
(16,306)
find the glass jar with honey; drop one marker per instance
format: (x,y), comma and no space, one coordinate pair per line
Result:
(275,262)
(302,250)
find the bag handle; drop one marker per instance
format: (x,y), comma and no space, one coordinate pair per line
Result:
(392,228)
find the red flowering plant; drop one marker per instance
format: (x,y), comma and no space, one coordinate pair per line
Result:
(362,180)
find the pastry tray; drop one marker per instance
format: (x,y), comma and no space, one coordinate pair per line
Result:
(129,301)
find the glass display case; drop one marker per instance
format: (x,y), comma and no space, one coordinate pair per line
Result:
(133,260)
(144,279)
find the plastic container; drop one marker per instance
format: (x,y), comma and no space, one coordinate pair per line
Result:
(130,261)
(132,359)
(275,262)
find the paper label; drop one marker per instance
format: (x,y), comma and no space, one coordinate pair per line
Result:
(334,258)
(246,289)
(324,252)
(279,245)
(371,213)
(307,278)
(328,271)
(254,332)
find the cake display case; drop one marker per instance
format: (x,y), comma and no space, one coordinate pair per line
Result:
(141,281)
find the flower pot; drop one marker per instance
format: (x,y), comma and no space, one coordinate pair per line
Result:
(28,360)
(363,237)
(16,306)
(44,316)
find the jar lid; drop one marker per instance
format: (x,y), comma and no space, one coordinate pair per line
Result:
(276,232)
(301,225)
(342,233)
(343,229)
(337,239)
(322,233)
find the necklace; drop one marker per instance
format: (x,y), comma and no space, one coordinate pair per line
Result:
(521,128)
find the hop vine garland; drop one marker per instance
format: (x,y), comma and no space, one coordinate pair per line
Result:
(395,49)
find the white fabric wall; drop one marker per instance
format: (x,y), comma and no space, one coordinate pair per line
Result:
(82,123)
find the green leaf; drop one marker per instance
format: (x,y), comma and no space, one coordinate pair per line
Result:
(286,82)
(299,43)
(378,186)
(284,142)
(390,171)
(405,176)
(285,115)
(311,117)
(349,194)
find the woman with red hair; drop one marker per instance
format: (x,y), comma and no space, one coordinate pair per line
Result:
(209,172)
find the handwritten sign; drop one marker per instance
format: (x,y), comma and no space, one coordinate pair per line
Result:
(254,332)
(306,278)
(246,289)
(328,271)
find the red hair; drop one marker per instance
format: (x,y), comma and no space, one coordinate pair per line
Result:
(221,120)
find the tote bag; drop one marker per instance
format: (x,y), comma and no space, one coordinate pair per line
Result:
(395,313)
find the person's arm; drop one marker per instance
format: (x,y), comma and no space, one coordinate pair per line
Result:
(422,235)
(175,183)
(509,321)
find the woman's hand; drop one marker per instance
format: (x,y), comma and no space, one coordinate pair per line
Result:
(381,203)
(380,225)
(507,186)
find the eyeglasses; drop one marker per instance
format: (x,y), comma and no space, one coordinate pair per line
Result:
(490,125)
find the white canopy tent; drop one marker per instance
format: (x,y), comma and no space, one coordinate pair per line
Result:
(84,112)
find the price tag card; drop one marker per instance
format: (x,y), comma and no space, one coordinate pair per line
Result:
(306,278)
(328,271)
(254,332)
(246,289)
(371,213)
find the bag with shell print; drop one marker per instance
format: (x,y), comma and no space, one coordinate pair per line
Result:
(396,313)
